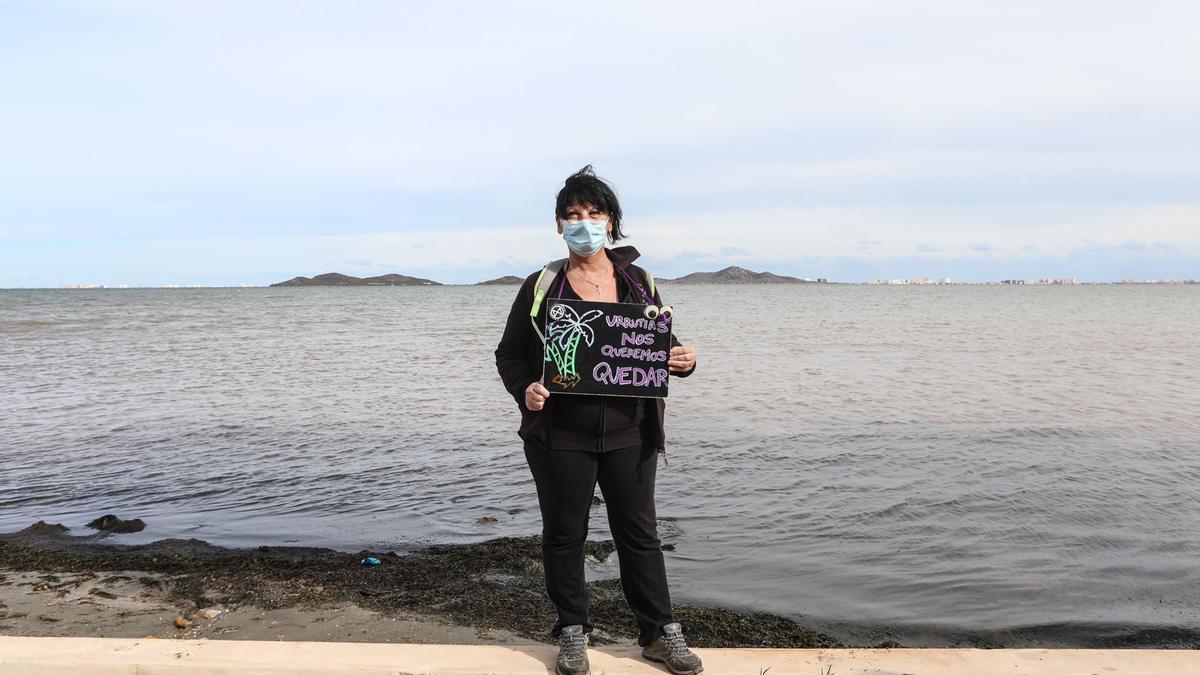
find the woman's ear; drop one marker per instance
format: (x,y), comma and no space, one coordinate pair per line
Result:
(558,224)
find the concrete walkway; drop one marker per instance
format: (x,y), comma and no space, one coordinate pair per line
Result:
(124,656)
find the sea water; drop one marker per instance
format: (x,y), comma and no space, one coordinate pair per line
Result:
(982,456)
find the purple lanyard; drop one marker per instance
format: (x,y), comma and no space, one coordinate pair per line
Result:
(560,284)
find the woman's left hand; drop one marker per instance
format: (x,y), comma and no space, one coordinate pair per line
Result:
(682,359)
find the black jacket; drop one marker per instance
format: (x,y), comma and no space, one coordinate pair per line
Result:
(520,354)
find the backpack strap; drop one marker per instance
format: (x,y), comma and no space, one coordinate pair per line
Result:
(539,291)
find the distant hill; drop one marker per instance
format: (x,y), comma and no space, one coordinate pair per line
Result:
(502,281)
(335,279)
(736,275)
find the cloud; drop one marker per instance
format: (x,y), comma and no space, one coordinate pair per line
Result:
(692,256)
(442,134)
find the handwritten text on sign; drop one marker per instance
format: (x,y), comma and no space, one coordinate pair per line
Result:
(605,348)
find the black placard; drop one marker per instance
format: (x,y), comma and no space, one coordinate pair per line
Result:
(605,348)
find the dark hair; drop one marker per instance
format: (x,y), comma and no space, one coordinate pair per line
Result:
(584,187)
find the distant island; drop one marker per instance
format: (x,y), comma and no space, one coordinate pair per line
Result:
(335,279)
(729,275)
(739,275)
(508,280)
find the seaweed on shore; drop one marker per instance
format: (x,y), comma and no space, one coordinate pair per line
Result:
(497,583)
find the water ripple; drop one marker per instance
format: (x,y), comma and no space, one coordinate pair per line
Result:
(978,455)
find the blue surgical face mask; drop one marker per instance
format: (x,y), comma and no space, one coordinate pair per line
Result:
(585,237)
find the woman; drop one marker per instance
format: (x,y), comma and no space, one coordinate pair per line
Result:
(574,441)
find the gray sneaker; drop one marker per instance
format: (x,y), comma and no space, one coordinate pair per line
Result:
(669,648)
(572,651)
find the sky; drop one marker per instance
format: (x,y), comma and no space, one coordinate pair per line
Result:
(223,143)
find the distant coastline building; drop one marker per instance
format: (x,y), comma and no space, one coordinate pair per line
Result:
(1068,281)
(919,281)
(1044,281)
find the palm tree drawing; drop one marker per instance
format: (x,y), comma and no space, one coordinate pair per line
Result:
(563,334)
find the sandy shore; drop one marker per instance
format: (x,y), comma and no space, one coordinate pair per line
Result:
(493,592)
(137,604)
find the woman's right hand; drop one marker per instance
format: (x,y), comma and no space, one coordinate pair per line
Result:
(535,396)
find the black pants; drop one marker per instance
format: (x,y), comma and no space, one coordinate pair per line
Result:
(566,480)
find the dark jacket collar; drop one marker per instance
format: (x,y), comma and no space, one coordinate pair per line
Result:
(623,255)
